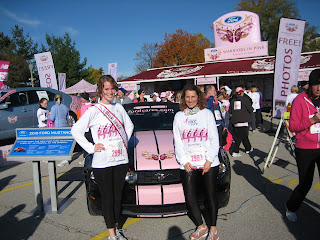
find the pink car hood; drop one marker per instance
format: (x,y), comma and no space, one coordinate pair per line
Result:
(154,150)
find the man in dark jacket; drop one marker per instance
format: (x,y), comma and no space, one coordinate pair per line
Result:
(240,112)
(214,107)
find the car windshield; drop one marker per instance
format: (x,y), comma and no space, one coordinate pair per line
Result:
(5,93)
(152,116)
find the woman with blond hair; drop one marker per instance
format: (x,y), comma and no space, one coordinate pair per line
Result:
(198,157)
(292,95)
(111,128)
(59,112)
(255,96)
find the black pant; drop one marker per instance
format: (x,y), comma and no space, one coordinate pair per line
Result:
(111,182)
(306,160)
(242,135)
(220,131)
(190,183)
(255,119)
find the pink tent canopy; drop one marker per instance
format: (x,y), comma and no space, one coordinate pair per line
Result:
(92,89)
(81,86)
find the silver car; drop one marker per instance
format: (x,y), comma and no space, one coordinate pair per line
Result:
(18,108)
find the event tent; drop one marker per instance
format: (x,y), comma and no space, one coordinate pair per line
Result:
(92,89)
(81,86)
(250,66)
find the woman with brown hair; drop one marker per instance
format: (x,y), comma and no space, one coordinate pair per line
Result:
(141,97)
(196,143)
(111,128)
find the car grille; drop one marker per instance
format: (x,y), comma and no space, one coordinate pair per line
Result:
(170,176)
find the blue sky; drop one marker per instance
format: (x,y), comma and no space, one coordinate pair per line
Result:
(114,30)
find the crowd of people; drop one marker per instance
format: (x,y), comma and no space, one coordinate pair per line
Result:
(220,113)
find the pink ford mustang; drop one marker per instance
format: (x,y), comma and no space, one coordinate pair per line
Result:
(153,185)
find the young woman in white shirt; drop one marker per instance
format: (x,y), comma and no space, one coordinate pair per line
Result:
(196,143)
(42,113)
(111,128)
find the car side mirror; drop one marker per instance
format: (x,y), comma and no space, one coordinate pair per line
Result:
(3,106)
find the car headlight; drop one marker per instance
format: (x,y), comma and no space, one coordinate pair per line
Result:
(91,176)
(222,168)
(131,177)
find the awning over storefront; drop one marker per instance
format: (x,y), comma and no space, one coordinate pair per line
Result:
(237,67)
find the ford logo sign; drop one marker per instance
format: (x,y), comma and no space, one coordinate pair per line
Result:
(292,24)
(214,50)
(23,132)
(233,19)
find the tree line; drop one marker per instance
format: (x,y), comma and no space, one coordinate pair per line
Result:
(19,49)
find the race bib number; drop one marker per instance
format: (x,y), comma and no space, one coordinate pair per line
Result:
(196,156)
(217,115)
(315,128)
(237,105)
(116,151)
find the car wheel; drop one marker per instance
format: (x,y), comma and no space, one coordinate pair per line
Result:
(91,208)
(72,119)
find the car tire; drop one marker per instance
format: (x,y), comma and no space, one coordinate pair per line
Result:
(91,208)
(72,119)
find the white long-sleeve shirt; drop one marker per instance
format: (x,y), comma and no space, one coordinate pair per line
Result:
(42,117)
(103,132)
(255,96)
(196,138)
(290,98)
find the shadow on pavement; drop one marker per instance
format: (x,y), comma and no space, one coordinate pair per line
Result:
(73,175)
(307,226)
(261,158)
(5,181)
(13,228)
(174,233)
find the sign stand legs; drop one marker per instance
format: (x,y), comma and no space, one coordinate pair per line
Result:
(275,145)
(37,186)
(53,186)
(273,150)
(54,205)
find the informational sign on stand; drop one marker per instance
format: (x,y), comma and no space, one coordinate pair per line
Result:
(37,144)
(44,144)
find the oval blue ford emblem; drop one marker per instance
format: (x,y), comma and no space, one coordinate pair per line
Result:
(214,50)
(233,19)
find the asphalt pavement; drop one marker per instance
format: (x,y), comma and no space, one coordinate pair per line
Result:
(255,211)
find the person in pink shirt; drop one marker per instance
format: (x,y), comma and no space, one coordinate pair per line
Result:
(85,102)
(305,122)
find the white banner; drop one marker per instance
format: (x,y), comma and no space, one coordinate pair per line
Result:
(289,45)
(45,66)
(112,70)
(304,76)
(62,81)
(129,86)
(4,69)
(204,81)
